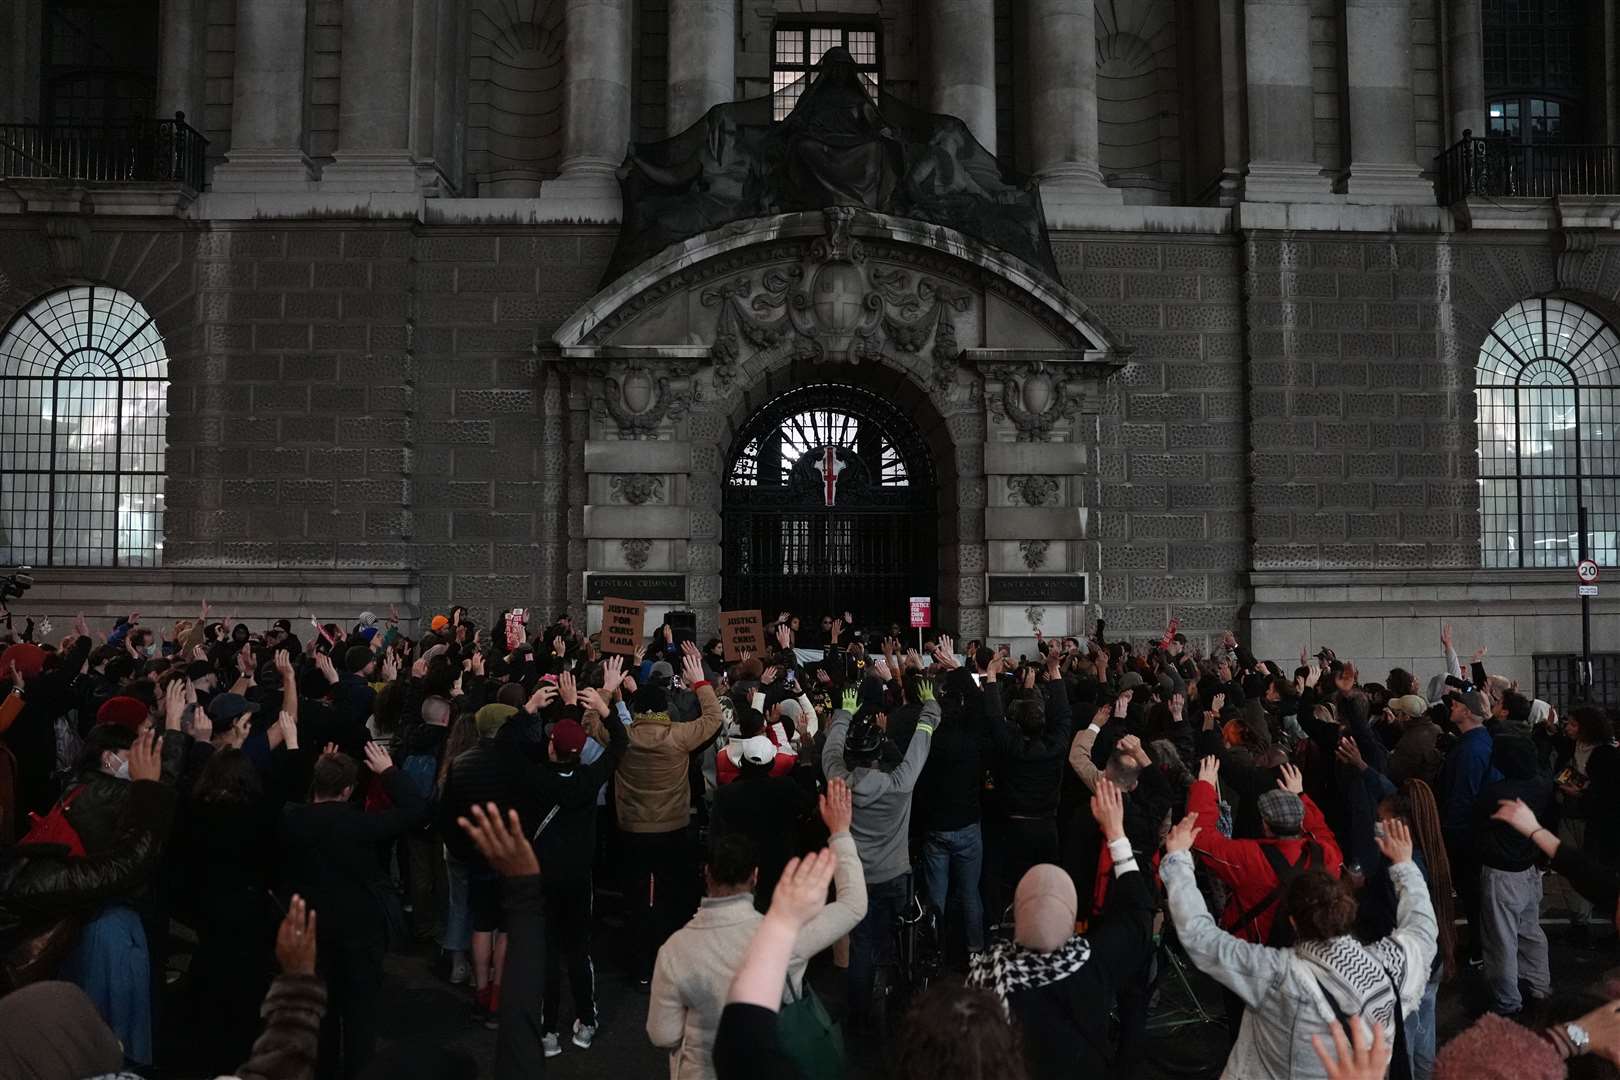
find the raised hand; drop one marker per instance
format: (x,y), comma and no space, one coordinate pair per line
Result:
(174,705)
(802,890)
(1209,771)
(1396,843)
(769,675)
(850,700)
(1368,1060)
(288,723)
(1181,837)
(1108,808)
(145,757)
(567,689)
(612,674)
(593,699)
(284,664)
(1349,753)
(543,695)
(784,636)
(925,689)
(559,647)
(202,726)
(501,841)
(880,668)
(377,759)
(1291,779)
(1479,655)
(80,626)
(837,807)
(330,749)
(1445,636)
(323,664)
(475,663)
(390,667)
(295,939)
(691,663)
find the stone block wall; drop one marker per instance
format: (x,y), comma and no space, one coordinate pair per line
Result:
(1167,527)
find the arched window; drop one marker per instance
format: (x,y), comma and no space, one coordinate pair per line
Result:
(83,400)
(1548,387)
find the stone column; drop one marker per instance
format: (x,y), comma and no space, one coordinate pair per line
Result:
(1383,145)
(1465,68)
(267,111)
(374,108)
(1277,54)
(702,59)
(1062,68)
(179,74)
(596,100)
(962,65)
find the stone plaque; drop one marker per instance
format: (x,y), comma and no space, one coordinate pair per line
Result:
(1044,588)
(636,586)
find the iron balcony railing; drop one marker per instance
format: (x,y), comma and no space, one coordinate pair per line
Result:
(126,152)
(1497,168)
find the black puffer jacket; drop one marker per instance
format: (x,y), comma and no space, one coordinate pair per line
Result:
(98,811)
(38,882)
(1029,770)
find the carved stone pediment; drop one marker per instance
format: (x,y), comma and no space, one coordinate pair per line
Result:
(842,285)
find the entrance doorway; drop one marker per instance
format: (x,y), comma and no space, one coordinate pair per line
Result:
(829,506)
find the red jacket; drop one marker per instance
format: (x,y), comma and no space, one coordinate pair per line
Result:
(1243,866)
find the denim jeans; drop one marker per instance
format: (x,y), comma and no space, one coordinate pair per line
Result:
(457,909)
(871,943)
(1420,1032)
(953,860)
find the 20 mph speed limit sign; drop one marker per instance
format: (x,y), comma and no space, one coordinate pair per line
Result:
(1587,571)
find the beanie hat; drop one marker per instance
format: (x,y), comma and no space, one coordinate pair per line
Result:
(568,736)
(511,694)
(491,718)
(122,711)
(52,1029)
(438,623)
(366,633)
(29,658)
(1130,680)
(1044,908)
(1283,811)
(368,619)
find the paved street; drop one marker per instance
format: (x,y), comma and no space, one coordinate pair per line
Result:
(421,1009)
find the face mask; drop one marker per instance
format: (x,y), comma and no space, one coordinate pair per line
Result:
(150,650)
(122,771)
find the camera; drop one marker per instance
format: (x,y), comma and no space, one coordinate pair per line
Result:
(13,585)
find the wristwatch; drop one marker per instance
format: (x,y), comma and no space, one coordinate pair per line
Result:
(1578,1037)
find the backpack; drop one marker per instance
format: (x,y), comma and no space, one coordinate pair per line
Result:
(1281,935)
(423,771)
(55,828)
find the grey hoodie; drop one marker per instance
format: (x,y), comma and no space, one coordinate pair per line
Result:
(882,820)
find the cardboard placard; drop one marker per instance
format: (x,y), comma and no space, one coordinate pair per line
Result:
(741,630)
(922,612)
(623,626)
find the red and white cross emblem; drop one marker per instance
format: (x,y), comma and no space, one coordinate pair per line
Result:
(829,468)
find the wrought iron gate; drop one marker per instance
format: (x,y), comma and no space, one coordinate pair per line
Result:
(829,505)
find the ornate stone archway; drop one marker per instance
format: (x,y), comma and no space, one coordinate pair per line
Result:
(991,358)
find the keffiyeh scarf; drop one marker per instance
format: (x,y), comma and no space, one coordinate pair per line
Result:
(1008,967)
(1356,979)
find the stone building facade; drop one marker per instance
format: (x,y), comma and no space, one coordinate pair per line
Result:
(1247,399)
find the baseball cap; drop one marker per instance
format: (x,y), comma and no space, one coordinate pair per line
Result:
(662,670)
(1130,680)
(757,750)
(1283,811)
(568,736)
(225,708)
(1409,705)
(1473,701)
(1044,908)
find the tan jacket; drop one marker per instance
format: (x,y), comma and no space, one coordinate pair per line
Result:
(696,964)
(651,790)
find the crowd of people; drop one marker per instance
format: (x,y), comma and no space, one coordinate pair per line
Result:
(992,860)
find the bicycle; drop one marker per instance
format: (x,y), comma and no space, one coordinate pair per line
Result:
(917,959)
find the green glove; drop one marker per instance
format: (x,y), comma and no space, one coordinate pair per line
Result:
(925,689)
(850,701)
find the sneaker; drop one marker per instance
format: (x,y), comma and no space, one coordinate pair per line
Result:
(583,1034)
(493,1020)
(551,1044)
(460,969)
